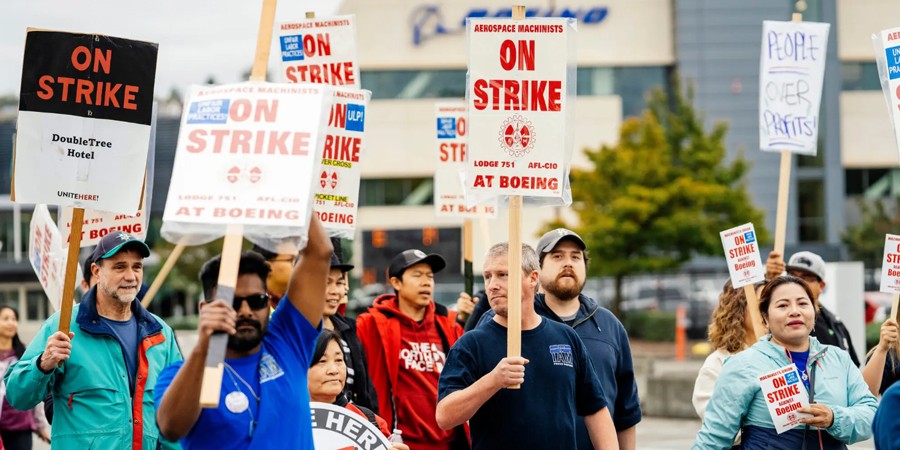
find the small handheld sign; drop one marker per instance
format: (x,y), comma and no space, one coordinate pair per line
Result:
(785,393)
(746,268)
(320,51)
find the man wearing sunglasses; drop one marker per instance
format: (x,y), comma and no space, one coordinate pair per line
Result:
(264,395)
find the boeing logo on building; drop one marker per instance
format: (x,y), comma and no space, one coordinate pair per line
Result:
(427,21)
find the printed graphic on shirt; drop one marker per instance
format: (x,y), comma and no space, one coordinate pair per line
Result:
(269,369)
(347,361)
(423,357)
(561,355)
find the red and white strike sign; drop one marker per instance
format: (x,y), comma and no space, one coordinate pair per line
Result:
(890,266)
(519,135)
(742,252)
(449,193)
(321,51)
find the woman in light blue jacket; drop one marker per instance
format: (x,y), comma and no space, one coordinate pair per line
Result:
(842,407)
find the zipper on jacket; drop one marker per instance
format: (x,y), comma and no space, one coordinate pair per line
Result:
(586,318)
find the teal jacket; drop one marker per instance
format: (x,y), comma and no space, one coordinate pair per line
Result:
(93,407)
(737,399)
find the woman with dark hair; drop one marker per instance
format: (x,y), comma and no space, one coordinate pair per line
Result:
(16,426)
(882,367)
(841,406)
(327,378)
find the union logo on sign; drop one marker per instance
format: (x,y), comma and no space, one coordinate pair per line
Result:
(517,136)
(328,181)
(235,174)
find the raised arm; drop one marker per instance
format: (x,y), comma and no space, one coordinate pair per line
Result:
(306,289)
(461,405)
(873,371)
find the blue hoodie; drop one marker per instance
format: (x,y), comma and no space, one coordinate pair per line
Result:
(737,401)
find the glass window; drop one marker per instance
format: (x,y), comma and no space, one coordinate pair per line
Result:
(396,191)
(861,181)
(811,201)
(860,76)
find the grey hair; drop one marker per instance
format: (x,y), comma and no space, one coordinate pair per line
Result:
(529,256)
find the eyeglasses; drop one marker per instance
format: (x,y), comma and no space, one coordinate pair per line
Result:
(255,301)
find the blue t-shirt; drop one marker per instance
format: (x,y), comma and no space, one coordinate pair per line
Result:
(277,373)
(885,426)
(560,385)
(799,359)
(126,332)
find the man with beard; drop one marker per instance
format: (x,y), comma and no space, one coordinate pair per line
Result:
(406,337)
(556,381)
(98,372)
(264,396)
(564,261)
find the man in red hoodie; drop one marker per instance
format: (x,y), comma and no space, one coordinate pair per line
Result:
(406,337)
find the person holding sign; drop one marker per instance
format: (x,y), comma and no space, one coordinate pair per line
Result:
(882,362)
(840,407)
(98,373)
(265,401)
(406,337)
(327,377)
(810,267)
(555,379)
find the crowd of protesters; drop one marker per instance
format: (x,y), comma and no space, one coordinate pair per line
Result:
(437,376)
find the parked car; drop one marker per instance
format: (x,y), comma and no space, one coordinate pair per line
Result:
(661,297)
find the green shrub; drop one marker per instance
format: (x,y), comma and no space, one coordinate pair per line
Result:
(183,323)
(657,326)
(873,333)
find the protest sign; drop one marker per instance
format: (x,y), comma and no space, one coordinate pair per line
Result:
(520,137)
(339,428)
(321,51)
(792,69)
(742,253)
(785,394)
(449,192)
(890,266)
(887,58)
(47,254)
(247,154)
(84,120)
(337,185)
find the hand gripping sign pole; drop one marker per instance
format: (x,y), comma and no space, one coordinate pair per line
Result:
(231,247)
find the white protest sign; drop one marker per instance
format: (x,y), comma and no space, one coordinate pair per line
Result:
(887,58)
(337,428)
(791,73)
(785,394)
(337,184)
(742,253)
(449,192)
(247,153)
(98,224)
(321,51)
(84,120)
(47,254)
(890,266)
(518,103)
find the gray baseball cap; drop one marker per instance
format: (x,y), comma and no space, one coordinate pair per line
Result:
(808,262)
(549,240)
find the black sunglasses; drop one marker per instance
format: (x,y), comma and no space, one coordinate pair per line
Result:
(254,301)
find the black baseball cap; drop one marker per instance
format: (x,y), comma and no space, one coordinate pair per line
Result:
(411,257)
(115,241)
(337,264)
(549,240)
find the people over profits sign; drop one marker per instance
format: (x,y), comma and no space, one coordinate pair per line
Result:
(792,69)
(449,195)
(517,102)
(246,154)
(336,188)
(85,110)
(742,253)
(321,51)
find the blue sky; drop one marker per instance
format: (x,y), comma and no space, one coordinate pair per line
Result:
(197,38)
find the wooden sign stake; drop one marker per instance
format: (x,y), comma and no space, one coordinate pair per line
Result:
(234,234)
(895,307)
(753,309)
(68,293)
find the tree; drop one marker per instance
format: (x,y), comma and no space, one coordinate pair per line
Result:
(865,241)
(662,194)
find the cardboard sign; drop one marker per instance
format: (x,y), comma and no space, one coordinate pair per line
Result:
(337,184)
(339,428)
(519,135)
(890,267)
(887,58)
(321,51)
(791,73)
(48,255)
(742,253)
(449,192)
(247,153)
(785,393)
(84,120)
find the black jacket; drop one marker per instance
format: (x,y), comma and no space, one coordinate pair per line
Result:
(830,330)
(359,387)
